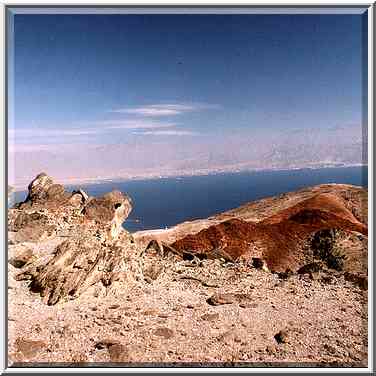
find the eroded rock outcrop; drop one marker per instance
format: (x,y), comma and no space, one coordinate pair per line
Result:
(111,210)
(97,250)
(44,193)
(76,265)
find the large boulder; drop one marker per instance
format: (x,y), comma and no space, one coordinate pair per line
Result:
(111,210)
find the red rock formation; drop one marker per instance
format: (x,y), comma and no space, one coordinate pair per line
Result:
(279,239)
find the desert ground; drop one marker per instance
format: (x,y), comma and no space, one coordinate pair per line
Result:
(276,282)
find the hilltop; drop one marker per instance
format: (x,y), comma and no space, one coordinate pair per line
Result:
(282,279)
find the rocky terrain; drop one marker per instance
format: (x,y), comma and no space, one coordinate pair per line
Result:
(277,282)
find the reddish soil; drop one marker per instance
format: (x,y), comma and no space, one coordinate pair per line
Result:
(278,239)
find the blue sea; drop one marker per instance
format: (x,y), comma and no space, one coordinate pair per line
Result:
(160,203)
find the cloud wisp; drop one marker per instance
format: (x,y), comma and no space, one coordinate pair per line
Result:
(89,128)
(156,110)
(171,132)
(143,120)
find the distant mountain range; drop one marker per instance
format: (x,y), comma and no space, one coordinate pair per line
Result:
(190,155)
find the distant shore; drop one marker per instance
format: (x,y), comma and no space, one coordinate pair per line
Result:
(152,176)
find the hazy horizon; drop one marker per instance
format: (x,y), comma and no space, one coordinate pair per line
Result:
(122,95)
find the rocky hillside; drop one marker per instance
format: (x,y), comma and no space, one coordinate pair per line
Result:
(280,280)
(279,230)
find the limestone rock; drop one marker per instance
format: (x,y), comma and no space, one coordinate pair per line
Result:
(111,209)
(76,265)
(38,187)
(210,316)
(79,198)
(228,298)
(30,348)
(164,332)
(219,299)
(118,353)
(44,193)
(21,257)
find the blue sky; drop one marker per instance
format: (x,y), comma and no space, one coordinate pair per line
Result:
(143,95)
(108,78)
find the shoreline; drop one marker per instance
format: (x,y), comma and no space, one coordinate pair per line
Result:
(101,180)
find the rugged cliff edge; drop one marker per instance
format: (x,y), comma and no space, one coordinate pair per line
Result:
(283,279)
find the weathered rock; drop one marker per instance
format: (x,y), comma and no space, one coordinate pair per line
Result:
(24,219)
(259,263)
(164,332)
(38,187)
(210,316)
(21,257)
(111,209)
(55,191)
(220,299)
(44,193)
(286,274)
(106,343)
(79,198)
(281,337)
(271,349)
(152,271)
(76,265)
(360,280)
(313,267)
(228,298)
(33,234)
(230,336)
(154,248)
(118,353)
(30,348)
(32,227)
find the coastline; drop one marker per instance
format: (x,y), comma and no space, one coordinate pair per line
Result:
(100,179)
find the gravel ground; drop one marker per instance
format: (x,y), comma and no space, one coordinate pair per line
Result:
(172,319)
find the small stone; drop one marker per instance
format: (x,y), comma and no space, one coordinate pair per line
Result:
(150,312)
(163,315)
(164,332)
(247,305)
(281,337)
(210,316)
(219,299)
(118,353)
(271,349)
(105,344)
(29,348)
